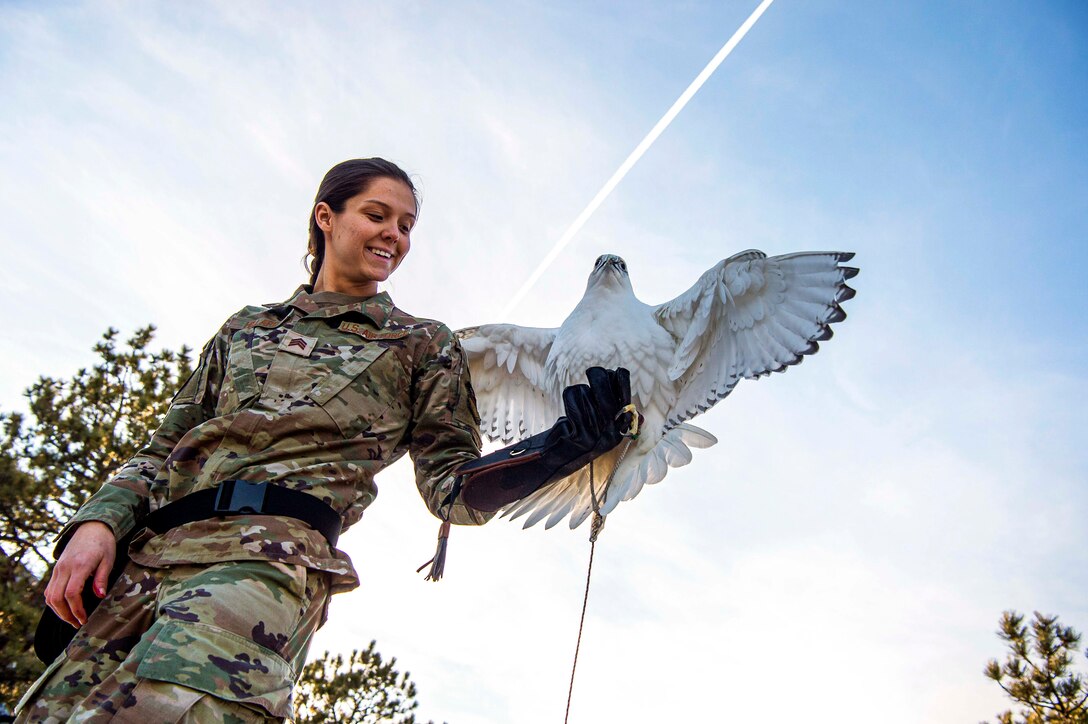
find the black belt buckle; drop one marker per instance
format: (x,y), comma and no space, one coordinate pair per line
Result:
(239,496)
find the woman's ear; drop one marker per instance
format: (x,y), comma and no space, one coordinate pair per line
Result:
(323,216)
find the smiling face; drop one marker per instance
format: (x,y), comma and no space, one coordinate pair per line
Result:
(367,240)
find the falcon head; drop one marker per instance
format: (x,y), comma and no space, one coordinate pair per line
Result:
(611,271)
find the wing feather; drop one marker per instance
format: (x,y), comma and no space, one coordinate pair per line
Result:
(562,507)
(746,317)
(513,394)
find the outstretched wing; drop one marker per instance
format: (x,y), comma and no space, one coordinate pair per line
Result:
(507,367)
(748,316)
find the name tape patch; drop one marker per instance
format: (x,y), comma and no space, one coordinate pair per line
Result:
(367,333)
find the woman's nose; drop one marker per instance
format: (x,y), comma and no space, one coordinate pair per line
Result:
(391,232)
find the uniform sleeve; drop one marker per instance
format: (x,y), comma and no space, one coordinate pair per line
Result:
(445,424)
(123,499)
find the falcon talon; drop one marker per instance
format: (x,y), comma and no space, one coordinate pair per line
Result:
(636,418)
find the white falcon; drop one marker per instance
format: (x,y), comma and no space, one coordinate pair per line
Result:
(747,316)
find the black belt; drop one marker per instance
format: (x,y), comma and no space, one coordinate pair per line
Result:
(239,497)
(232,497)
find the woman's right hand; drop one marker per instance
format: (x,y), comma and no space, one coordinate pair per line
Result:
(90,552)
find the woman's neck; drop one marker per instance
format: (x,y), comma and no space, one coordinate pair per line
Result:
(342,286)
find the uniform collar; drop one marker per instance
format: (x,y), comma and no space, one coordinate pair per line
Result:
(377,308)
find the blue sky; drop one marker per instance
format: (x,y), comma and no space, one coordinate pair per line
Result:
(864,519)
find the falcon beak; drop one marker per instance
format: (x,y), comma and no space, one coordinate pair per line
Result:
(610,263)
(617,265)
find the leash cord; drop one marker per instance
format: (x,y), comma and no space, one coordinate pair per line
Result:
(581,623)
(594,530)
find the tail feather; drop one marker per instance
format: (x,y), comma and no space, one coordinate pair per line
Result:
(523,506)
(693,436)
(563,506)
(581,512)
(538,515)
(675,452)
(571,495)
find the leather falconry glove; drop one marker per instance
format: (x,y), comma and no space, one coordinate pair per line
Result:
(598,416)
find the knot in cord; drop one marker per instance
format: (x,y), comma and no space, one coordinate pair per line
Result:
(596,526)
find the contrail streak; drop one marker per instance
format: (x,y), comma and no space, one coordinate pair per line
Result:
(632,159)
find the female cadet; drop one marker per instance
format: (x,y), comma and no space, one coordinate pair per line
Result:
(266,452)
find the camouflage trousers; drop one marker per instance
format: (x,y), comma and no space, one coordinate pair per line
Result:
(200,643)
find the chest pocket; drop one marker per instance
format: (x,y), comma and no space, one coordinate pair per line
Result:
(366,393)
(240,383)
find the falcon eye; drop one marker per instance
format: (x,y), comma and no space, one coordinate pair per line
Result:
(623,265)
(599,261)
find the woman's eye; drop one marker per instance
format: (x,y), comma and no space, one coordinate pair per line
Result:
(405,229)
(375,217)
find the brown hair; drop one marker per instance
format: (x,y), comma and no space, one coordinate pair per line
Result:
(343,181)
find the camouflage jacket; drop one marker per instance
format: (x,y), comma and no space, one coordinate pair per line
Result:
(318,393)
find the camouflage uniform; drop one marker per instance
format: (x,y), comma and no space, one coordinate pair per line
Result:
(316,394)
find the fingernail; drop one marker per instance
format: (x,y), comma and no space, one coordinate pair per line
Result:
(100,590)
